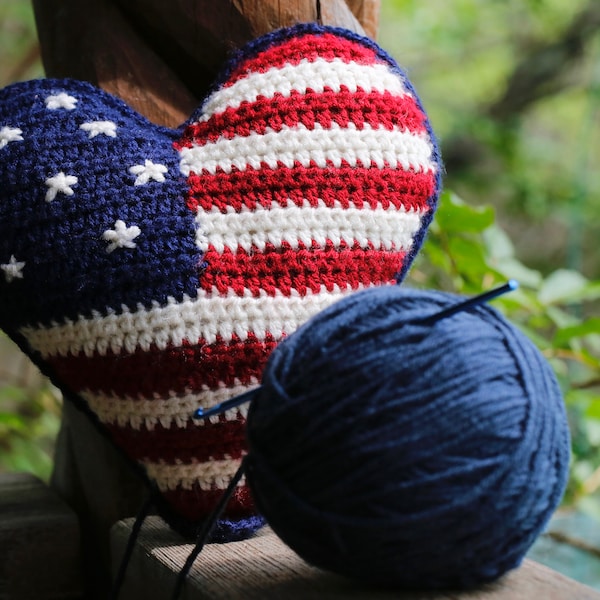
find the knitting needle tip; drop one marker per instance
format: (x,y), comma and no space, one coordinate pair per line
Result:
(509,286)
(218,409)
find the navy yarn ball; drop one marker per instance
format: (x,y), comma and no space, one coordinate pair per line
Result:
(408,454)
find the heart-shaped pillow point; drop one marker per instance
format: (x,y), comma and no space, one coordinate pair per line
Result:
(151,271)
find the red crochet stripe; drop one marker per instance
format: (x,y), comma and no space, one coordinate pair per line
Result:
(309,47)
(346,186)
(196,503)
(305,270)
(376,109)
(217,441)
(175,369)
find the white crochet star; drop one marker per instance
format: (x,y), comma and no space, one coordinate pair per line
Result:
(61,100)
(13,269)
(148,171)
(95,128)
(121,236)
(60,184)
(10,134)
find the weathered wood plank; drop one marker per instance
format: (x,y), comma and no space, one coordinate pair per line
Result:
(39,542)
(264,568)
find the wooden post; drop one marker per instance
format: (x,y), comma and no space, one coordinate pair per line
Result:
(161,57)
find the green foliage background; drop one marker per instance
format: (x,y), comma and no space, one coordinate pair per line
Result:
(513,91)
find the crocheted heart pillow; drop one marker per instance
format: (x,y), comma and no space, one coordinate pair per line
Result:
(151,271)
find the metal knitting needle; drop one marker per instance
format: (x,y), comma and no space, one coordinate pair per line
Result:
(217,409)
(509,286)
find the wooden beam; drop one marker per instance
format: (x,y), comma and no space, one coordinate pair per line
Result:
(39,541)
(264,568)
(161,57)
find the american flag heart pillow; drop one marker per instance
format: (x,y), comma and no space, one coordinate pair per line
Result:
(151,271)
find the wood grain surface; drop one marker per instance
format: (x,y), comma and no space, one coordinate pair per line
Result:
(264,568)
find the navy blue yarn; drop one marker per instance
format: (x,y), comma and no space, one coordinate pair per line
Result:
(403,454)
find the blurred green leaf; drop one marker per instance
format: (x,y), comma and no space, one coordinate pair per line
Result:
(454,215)
(498,243)
(12,422)
(566,334)
(592,399)
(562,286)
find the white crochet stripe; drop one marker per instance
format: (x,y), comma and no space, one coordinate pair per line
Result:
(323,147)
(174,411)
(208,475)
(382,228)
(317,76)
(203,318)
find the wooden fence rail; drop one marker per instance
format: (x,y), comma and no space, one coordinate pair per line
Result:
(40,560)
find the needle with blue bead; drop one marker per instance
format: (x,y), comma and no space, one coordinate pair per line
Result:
(509,286)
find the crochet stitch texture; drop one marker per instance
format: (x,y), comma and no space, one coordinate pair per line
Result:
(151,271)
